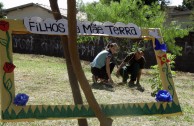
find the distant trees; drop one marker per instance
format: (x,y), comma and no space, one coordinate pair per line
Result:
(135,11)
(162,3)
(108,1)
(188,4)
(147,2)
(1,10)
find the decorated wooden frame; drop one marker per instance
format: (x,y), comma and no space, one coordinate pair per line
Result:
(10,111)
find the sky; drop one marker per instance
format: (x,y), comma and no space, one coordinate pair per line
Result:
(62,3)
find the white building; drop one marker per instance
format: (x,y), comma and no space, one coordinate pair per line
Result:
(183,17)
(36,10)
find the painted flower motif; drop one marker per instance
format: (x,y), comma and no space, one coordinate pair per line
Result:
(4,25)
(8,67)
(163,96)
(160,46)
(21,99)
(163,59)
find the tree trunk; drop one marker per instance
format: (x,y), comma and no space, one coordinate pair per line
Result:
(72,27)
(72,77)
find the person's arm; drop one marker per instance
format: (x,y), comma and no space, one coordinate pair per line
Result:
(108,69)
(120,66)
(124,62)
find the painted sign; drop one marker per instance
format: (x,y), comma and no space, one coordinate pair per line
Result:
(59,27)
(15,107)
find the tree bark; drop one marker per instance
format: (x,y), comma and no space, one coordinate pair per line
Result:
(72,77)
(72,27)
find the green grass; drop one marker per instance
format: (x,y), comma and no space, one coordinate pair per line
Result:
(46,81)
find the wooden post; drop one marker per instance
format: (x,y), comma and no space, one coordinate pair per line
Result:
(72,27)
(72,77)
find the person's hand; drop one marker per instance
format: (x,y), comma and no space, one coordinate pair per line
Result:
(110,81)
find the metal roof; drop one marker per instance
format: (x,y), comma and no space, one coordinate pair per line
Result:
(48,8)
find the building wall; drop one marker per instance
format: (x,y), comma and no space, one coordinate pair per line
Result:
(180,17)
(33,11)
(186,61)
(50,45)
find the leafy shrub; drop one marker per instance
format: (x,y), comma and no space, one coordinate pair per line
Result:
(156,83)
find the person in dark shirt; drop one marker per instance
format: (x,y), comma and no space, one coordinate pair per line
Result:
(133,65)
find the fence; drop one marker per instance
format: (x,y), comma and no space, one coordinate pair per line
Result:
(50,45)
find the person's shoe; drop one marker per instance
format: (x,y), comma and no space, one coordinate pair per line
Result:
(124,81)
(131,84)
(109,85)
(140,88)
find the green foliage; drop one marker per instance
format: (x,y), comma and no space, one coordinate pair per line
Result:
(149,2)
(126,11)
(1,5)
(188,4)
(155,80)
(134,11)
(146,2)
(108,1)
(1,10)
(83,39)
(137,47)
(170,33)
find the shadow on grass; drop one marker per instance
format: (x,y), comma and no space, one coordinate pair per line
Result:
(101,86)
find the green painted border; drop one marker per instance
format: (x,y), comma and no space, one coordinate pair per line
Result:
(81,111)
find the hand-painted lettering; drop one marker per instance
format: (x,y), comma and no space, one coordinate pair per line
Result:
(51,26)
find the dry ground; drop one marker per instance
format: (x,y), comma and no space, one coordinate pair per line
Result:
(45,80)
